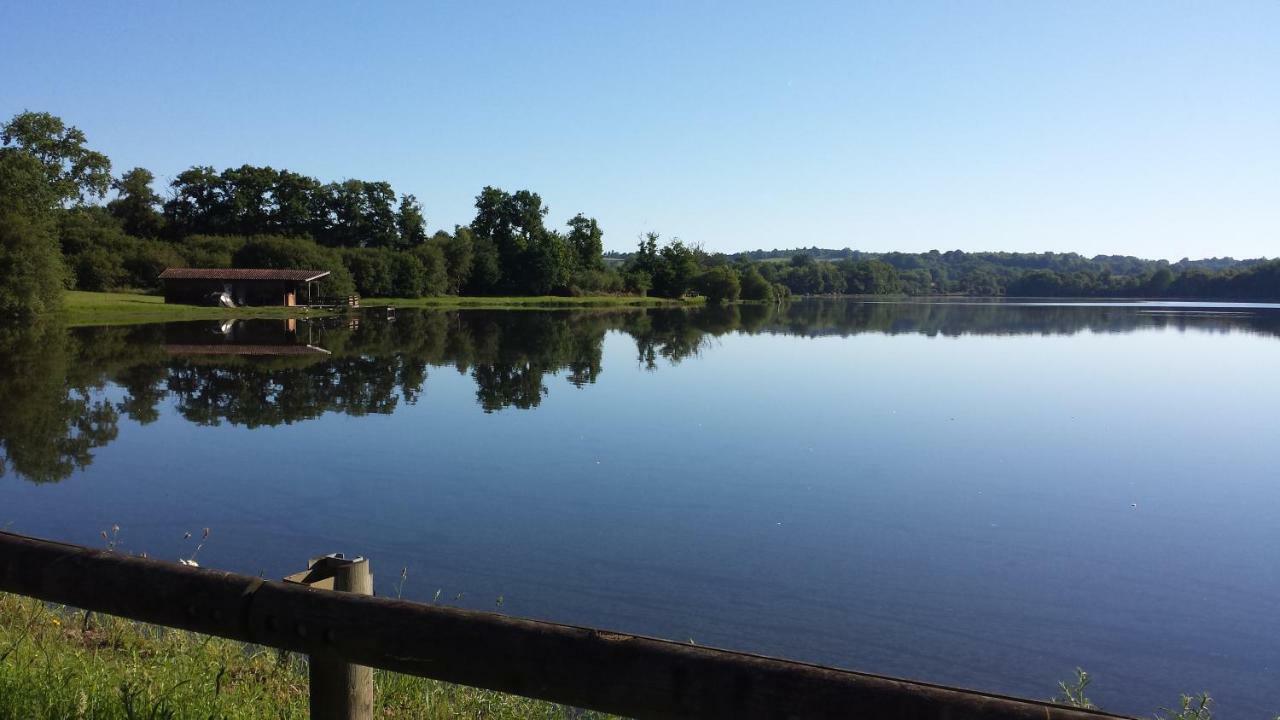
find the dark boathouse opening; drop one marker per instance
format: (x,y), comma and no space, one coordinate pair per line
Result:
(241,286)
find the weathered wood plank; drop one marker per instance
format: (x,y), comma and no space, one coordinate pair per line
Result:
(611,672)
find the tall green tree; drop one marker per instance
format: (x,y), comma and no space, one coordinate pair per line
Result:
(197,206)
(362,214)
(72,171)
(31,270)
(587,242)
(459,253)
(136,204)
(411,224)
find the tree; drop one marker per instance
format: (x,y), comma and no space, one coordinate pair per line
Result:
(486,267)
(754,286)
(408,275)
(197,206)
(93,246)
(72,171)
(361,214)
(720,284)
(547,263)
(299,207)
(435,269)
(587,242)
(372,271)
(410,222)
(1159,281)
(136,203)
(31,269)
(530,259)
(248,194)
(459,254)
(869,277)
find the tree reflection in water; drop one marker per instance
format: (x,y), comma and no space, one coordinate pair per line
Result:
(57,409)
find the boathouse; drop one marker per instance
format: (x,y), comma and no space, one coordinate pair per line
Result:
(241,286)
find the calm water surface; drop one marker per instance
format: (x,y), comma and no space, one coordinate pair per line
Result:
(978,494)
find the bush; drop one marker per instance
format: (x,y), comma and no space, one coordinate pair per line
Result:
(210,251)
(637,282)
(267,251)
(720,284)
(754,287)
(435,270)
(371,270)
(98,269)
(587,282)
(146,259)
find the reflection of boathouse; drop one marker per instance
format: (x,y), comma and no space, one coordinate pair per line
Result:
(244,286)
(243,337)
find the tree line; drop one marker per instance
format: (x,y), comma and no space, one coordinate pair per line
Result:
(818,271)
(58,230)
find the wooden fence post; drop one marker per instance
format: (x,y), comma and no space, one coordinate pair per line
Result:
(339,690)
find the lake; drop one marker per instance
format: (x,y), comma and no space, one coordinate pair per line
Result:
(985,494)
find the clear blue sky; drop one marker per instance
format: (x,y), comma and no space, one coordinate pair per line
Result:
(1147,128)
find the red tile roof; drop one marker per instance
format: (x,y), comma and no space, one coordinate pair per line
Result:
(241,274)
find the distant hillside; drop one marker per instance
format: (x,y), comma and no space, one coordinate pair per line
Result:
(821,271)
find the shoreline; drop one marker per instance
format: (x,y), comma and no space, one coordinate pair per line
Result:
(110,308)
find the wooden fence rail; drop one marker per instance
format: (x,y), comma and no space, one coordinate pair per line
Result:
(588,668)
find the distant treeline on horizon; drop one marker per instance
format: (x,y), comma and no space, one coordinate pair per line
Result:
(56,233)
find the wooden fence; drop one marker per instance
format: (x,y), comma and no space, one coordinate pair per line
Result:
(583,667)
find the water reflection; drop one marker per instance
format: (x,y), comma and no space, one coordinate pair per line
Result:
(57,408)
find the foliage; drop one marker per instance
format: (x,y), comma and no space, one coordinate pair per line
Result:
(135,204)
(507,249)
(587,242)
(869,277)
(31,268)
(296,253)
(754,287)
(1190,707)
(671,269)
(514,252)
(72,171)
(411,224)
(60,663)
(720,284)
(1072,692)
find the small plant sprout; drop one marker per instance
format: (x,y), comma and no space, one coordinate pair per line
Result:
(1072,691)
(404,574)
(498,602)
(436,599)
(1190,707)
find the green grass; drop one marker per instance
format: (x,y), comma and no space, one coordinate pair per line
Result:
(119,308)
(94,308)
(52,667)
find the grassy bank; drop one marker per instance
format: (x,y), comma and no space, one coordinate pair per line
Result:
(94,308)
(52,667)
